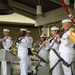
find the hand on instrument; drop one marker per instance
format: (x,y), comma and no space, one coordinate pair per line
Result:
(3,40)
(46,41)
(44,44)
(36,43)
(58,36)
(56,41)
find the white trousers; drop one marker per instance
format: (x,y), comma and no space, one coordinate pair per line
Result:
(23,66)
(53,60)
(68,57)
(23,56)
(4,67)
(29,60)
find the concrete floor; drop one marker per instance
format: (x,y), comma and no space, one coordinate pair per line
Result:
(17,72)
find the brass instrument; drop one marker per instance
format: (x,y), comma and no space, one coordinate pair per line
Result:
(72,33)
(36,47)
(14,48)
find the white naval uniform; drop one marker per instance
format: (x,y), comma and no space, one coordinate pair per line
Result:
(23,55)
(53,57)
(30,46)
(66,51)
(30,42)
(7,44)
(42,53)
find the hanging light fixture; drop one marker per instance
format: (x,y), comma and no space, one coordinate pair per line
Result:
(67,2)
(39,8)
(5,9)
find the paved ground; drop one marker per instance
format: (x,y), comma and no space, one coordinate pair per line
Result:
(17,72)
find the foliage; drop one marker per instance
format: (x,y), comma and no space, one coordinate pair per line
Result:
(59,25)
(73,26)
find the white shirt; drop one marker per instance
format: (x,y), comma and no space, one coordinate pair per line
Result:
(24,42)
(52,44)
(7,43)
(55,46)
(42,53)
(30,41)
(66,45)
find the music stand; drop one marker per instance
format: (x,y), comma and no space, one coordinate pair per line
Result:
(45,61)
(41,59)
(63,61)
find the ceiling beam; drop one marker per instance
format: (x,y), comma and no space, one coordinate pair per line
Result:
(56,1)
(11,24)
(19,11)
(22,6)
(71,5)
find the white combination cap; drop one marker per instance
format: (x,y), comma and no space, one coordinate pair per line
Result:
(22,29)
(43,35)
(66,20)
(28,31)
(54,28)
(6,30)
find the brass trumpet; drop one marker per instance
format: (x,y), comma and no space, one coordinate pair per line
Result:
(71,36)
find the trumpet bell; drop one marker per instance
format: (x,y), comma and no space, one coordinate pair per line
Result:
(72,35)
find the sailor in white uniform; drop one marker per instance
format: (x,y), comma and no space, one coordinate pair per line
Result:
(23,51)
(7,43)
(52,56)
(66,47)
(42,49)
(30,44)
(30,39)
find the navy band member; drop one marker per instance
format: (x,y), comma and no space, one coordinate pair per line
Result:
(30,45)
(66,47)
(30,39)
(7,43)
(52,56)
(23,51)
(42,51)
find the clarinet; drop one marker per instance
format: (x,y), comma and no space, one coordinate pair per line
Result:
(42,45)
(52,44)
(55,37)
